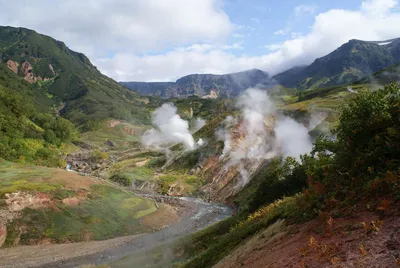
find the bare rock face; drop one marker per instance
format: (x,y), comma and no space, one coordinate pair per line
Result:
(213,95)
(28,73)
(52,69)
(13,66)
(27,70)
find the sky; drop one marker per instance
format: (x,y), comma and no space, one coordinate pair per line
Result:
(163,40)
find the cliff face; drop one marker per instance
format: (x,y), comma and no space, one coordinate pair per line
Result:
(204,85)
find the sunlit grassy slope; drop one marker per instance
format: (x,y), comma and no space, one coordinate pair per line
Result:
(60,206)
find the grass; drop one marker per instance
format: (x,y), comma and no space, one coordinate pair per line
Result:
(17,177)
(116,134)
(151,170)
(92,97)
(217,241)
(103,211)
(138,173)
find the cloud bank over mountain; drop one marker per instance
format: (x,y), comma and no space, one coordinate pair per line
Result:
(163,40)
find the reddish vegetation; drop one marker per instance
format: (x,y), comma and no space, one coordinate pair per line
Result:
(71,180)
(210,162)
(362,238)
(74,201)
(71,201)
(129,131)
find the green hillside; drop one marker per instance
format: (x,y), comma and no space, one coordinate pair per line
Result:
(339,179)
(26,134)
(67,77)
(349,63)
(384,76)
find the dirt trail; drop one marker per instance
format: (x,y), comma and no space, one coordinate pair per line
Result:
(99,252)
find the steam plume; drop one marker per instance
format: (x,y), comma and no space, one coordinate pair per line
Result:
(198,124)
(351,90)
(169,128)
(293,138)
(260,134)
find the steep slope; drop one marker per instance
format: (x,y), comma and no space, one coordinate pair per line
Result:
(345,214)
(384,76)
(204,85)
(67,77)
(349,63)
(26,133)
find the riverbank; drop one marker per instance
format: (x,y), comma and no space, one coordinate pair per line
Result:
(112,250)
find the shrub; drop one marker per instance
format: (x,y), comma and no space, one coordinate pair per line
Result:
(98,156)
(121,179)
(367,147)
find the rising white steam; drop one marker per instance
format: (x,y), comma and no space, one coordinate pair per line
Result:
(198,124)
(260,134)
(169,128)
(200,142)
(292,137)
(253,130)
(224,134)
(316,118)
(351,90)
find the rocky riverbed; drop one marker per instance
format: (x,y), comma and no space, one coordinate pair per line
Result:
(196,215)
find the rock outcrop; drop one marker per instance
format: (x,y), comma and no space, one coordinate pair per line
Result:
(28,73)
(13,66)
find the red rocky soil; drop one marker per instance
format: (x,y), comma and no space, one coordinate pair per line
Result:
(360,238)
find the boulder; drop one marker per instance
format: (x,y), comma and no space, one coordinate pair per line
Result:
(110,143)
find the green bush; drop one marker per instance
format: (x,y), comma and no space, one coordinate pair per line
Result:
(98,156)
(286,179)
(121,179)
(365,154)
(362,162)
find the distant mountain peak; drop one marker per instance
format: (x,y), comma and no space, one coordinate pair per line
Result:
(350,62)
(204,85)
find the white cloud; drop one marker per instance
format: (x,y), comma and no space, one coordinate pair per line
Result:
(281,32)
(236,45)
(238,35)
(97,27)
(297,15)
(327,33)
(210,47)
(304,9)
(378,7)
(273,47)
(295,35)
(194,30)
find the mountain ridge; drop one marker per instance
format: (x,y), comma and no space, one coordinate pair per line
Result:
(68,78)
(349,63)
(204,85)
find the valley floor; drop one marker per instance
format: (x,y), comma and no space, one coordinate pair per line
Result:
(42,255)
(112,250)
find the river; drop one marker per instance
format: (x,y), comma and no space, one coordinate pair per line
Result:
(116,252)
